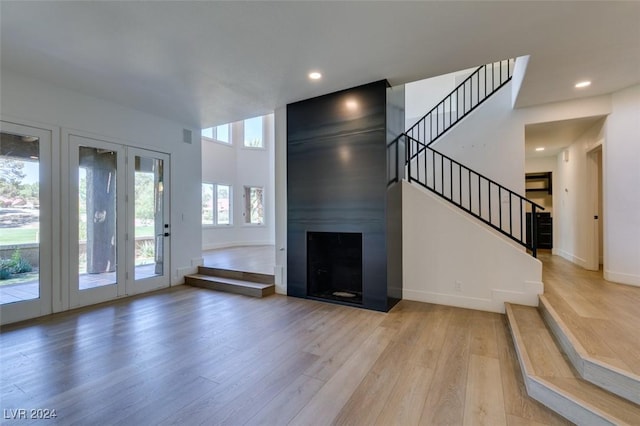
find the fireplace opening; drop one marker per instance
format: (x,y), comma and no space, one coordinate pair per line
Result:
(334,266)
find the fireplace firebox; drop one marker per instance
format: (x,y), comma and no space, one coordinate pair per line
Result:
(334,266)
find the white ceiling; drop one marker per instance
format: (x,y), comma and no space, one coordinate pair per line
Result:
(205,63)
(555,136)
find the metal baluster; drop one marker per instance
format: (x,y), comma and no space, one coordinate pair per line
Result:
(469,175)
(433,168)
(450,109)
(534,229)
(479,196)
(493,76)
(510,213)
(464,98)
(500,204)
(459,185)
(478,89)
(522,237)
(442,174)
(489,190)
(450,180)
(410,153)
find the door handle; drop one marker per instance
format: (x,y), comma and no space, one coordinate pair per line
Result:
(595,217)
(166,234)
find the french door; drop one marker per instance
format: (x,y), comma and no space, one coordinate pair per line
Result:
(26,222)
(149,231)
(118,221)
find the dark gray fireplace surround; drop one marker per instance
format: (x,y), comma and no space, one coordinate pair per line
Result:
(337,195)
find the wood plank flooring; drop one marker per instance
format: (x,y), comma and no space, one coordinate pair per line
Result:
(192,356)
(602,315)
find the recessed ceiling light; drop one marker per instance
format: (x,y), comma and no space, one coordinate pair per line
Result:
(582,84)
(315,75)
(540,148)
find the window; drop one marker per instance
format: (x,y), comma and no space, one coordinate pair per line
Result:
(223,205)
(254,205)
(216,204)
(218,133)
(207,133)
(253,133)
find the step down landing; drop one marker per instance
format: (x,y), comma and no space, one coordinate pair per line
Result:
(616,380)
(248,284)
(550,379)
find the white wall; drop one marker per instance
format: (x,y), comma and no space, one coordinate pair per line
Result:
(621,158)
(453,259)
(574,217)
(421,96)
(233,164)
(490,141)
(27,100)
(281,198)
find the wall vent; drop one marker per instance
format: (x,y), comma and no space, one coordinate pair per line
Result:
(186,136)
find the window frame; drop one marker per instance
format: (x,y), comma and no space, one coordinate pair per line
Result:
(215,218)
(246,213)
(214,131)
(263,143)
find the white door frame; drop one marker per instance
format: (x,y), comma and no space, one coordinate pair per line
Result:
(134,286)
(594,215)
(92,296)
(48,231)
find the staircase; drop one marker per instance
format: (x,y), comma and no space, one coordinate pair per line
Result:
(412,157)
(245,283)
(558,372)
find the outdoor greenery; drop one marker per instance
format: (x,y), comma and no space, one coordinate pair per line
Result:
(16,265)
(10,236)
(145,197)
(11,187)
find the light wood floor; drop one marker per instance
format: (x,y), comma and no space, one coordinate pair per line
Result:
(193,356)
(188,355)
(602,315)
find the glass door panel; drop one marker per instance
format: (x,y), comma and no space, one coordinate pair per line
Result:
(96,220)
(149,185)
(25,228)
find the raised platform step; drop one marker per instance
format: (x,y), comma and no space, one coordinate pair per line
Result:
(237,275)
(550,379)
(230,285)
(613,378)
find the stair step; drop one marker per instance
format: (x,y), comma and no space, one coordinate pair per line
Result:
(230,285)
(550,379)
(237,275)
(614,379)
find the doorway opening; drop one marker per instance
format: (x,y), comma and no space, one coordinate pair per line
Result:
(594,170)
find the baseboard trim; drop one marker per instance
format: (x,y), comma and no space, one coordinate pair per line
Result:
(570,257)
(453,300)
(622,278)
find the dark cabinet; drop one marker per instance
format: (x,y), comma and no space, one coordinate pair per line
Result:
(538,182)
(544,231)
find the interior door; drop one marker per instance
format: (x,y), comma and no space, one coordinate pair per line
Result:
(97,215)
(26,225)
(148,227)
